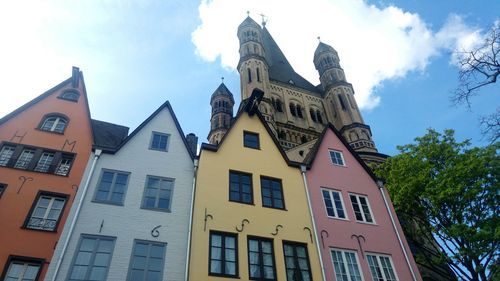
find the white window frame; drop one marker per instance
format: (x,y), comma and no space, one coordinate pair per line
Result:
(25,265)
(379,265)
(361,208)
(336,216)
(45,217)
(345,264)
(341,157)
(25,158)
(6,154)
(44,162)
(58,119)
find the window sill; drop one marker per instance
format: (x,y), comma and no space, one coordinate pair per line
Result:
(51,132)
(274,208)
(157,149)
(368,223)
(224,276)
(107,203)
(340,219)
(239,202)
(157,209)
(37,229)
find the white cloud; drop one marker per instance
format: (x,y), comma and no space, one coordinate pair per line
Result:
(374,44)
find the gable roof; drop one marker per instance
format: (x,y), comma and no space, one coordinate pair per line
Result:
(153,115)
(77,75)
(242,110)
(315,150)
(279,67)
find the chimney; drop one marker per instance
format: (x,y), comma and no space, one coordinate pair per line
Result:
(75,77)
(192,141)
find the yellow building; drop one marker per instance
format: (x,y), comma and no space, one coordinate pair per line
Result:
(251,219)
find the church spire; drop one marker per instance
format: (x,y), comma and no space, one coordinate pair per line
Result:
(222,103)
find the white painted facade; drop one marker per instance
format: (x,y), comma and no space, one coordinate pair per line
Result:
(130,222)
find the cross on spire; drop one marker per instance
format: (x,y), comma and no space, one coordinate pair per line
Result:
(222,78)
(264,19)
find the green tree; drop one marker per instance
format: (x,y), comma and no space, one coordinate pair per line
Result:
(451,193)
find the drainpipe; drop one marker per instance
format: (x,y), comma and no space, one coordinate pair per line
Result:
(303,171)
(190,226)
(381,188)
(97,153)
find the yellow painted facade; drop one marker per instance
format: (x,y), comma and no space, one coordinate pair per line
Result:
(212,202)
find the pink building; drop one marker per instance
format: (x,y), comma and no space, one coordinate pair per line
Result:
(359,235)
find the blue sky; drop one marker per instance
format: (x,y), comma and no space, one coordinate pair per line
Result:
(136,54)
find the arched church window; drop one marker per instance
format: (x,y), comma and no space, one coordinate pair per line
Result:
(293,109)
(318,116)
(249,75)
(278,105)
(299,111)
(313,115)
(258,74)
(303,139)
(342,102)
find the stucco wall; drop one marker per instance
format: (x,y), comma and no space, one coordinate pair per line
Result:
(212,194)
(379,237)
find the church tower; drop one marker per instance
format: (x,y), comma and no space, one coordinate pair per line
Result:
(295,109)
(222,103)
(339,100)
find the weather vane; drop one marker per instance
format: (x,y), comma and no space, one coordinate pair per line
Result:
(264,19)
(319,39)
(222,78)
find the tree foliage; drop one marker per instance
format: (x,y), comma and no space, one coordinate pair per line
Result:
(450,191)
(480,67)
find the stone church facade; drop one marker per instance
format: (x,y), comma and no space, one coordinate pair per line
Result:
(296,110)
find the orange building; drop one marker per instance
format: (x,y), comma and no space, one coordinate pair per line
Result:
(44,148)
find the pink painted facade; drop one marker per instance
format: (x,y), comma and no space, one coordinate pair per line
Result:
(377,238)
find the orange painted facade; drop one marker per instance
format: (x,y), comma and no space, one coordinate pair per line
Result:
(29,230)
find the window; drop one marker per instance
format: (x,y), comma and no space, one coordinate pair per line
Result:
(158,193)
(92,258)
(313,115)
(44,162)
(25,269)
(337,157)
(25,159)
(261,259)
(159,141)
(64,165)
(147,262)
(296,262)
(36,159)
(240,187)
(272,193)
(381,268)
(47,211)
(361,208)
(251,140)
(111,187)
(249,75)
(223,254)
(3,186)
(333,203)
(346,265)
(5,154)
(70,95)
(55,124)
(293,109)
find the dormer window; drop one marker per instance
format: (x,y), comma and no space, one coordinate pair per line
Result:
(70,95)
(54,123)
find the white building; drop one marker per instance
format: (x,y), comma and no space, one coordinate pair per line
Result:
(134,217)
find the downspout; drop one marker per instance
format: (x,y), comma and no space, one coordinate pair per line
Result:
(191,211)
(381,188)
(97,153)
(303,172)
